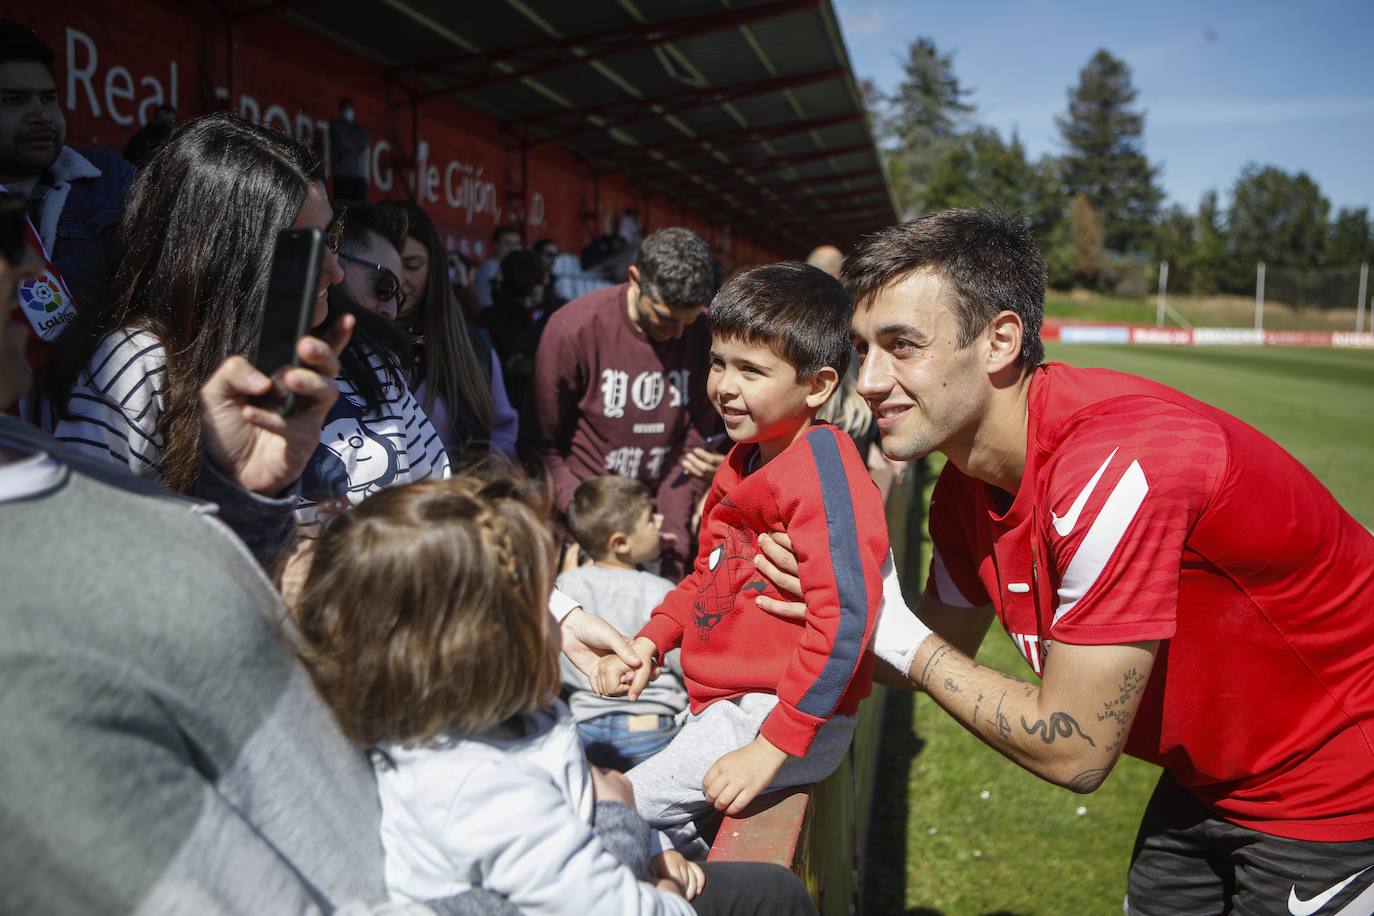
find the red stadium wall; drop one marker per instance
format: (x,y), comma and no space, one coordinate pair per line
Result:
(117,62)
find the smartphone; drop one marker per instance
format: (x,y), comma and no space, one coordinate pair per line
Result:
(291,290)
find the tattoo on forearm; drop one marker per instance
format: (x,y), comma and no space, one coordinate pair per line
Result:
(951,686)
(1001,723)
(1089,779)
(977,705)
(930,665)
(1061,725)
(1118,710)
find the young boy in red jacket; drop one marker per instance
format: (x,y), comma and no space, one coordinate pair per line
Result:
(773,702)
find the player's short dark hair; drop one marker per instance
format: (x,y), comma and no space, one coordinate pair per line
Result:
(799,311)
(990,259)
(504,230)
(362,220)
(18,42)
(602,506)
(675,268)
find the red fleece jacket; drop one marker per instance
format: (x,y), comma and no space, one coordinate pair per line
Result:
(819,492)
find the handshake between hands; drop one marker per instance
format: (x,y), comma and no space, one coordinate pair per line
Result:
(737,778)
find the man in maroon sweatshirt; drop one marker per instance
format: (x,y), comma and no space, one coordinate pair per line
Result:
(620,384)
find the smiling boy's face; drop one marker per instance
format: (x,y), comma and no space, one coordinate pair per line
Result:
(758,395)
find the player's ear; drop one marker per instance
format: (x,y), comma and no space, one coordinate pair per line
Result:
(618,543)
(821,386)
(1004,335)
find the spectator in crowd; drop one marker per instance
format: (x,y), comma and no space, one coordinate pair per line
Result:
(370,255)
(627,228)
(620,387)
(828,258)
(425,627)
(74,198)
(516,321)
(124,378)
(572,280)
(504,240)
(548,250)
(348,145)
(169,744)
(152,135)
(613,521)
(454,362)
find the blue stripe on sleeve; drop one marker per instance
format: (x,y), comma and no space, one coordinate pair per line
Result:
(824,695)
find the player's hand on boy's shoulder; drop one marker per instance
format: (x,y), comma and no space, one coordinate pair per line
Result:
(689,877)
(736,779)
(777,563)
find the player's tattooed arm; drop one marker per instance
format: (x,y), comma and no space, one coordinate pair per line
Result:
(1069,729)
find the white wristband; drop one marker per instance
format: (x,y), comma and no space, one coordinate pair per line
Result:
(899,632)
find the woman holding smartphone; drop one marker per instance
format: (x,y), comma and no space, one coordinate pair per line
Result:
(186,289)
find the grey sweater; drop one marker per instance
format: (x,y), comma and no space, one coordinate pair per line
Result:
(163,751)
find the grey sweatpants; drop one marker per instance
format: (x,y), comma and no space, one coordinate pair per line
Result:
(668,785)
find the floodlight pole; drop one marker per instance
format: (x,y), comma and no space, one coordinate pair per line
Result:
(1359,306)
(1259,297)
(1163,285)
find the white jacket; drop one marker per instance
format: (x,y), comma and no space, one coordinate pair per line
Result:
(509,810)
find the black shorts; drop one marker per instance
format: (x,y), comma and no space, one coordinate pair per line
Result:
(1187,860)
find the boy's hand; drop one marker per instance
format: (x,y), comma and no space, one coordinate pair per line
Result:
(640,677)
(607,676)
(671,864)
(737,778)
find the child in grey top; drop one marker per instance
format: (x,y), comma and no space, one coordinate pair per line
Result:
(613,520)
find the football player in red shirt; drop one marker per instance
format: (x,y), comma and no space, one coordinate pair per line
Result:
(1184,589)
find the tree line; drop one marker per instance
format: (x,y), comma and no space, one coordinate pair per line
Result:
(1097,208)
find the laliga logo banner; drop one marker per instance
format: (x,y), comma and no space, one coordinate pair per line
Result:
(45,298)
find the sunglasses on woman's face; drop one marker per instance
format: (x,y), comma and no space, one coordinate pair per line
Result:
(334,232)
(387,286)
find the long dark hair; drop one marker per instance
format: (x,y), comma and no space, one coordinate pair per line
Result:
(190,263)
(450,363)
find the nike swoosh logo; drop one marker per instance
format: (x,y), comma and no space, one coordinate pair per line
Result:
(1308,907)
(1065,524)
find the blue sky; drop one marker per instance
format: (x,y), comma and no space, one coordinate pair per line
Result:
(1289,84)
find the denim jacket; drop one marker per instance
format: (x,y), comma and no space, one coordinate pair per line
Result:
(80,213)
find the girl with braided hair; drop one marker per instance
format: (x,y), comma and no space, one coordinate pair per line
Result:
(425,625)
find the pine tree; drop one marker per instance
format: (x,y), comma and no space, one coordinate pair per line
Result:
(1105,161)
(924,119)
(1087,239)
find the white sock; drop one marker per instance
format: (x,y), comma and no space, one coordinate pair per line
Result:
(899,632)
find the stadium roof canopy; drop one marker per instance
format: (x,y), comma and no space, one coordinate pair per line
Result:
(747,111)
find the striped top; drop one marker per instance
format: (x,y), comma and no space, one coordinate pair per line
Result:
(118,400)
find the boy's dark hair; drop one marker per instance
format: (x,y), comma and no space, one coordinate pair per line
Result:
(390,223)
(503,230)
(675,268)
(18,42)
(601,506)
(799,311)
(989,259)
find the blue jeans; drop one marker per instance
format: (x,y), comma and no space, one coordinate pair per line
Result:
(620,741)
